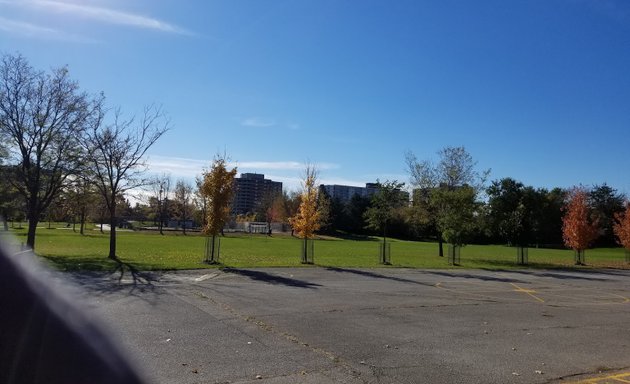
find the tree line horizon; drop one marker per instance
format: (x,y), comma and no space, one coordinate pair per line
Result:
(65,154)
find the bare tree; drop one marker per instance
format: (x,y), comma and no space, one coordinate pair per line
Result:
(161,189)
(116,156)
(42,115)
(200,202)
(183,193)
(81,195)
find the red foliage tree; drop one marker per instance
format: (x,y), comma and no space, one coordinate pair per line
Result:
(578,229)
(621,227)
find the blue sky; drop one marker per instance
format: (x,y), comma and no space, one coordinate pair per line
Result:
(538,90)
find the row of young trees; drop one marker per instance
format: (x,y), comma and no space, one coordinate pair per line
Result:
(452,203)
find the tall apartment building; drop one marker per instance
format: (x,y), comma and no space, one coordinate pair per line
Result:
(345,192)
(250,190)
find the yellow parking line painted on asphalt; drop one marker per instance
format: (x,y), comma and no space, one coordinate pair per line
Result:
(528,291)
(616,378)
(625,299)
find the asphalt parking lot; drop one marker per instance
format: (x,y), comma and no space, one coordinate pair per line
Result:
(332,325)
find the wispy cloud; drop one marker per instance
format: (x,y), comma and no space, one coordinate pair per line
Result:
(287,172)
(258,122)
(177,166)
(183,167)
(282,165)
(102,14)
(26,29)
(262,122)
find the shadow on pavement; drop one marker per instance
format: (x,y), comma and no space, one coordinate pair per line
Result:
(566,274)
(270,278)
(375,275)
(475,276)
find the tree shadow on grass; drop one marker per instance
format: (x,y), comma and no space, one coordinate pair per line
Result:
(351,236)
(73,264)
(375,275)
(270,278)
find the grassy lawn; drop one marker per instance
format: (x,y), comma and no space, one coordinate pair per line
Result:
(68,250)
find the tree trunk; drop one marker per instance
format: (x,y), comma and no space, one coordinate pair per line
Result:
(440,245)
(112,232)
(32,226)
(384,242)
(214,238)
(211,258)
(383,250)
(82,225)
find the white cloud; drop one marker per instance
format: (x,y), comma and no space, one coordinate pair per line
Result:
(32,30)
(183,167)
(282,165)
(106,15)
(287,172)
(177,166)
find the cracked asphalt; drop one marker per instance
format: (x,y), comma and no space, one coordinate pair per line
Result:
(334,325)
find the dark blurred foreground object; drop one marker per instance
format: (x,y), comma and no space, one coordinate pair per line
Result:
(44,338)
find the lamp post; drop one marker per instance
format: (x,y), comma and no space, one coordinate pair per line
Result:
(160,213)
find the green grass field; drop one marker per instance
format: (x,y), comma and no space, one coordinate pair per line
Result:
(67,250)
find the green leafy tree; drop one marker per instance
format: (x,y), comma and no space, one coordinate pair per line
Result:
(449,181)
(606,202)
(218,190)
(457,220)
(11,201)
(510,212)
(385,202)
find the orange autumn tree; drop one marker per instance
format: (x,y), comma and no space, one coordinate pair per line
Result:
(578,229)
(308,218)
(217,188)
(621,227)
